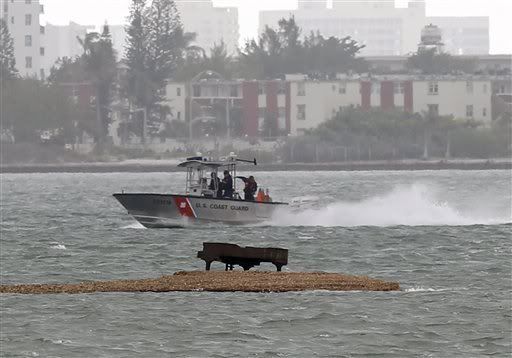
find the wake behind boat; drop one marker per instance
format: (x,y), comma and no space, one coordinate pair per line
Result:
(200,202)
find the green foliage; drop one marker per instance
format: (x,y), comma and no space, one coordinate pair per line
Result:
(99,64)
(8,69)
(430,62)
(68,70)
(48,108)
(198,61)
(356,134)
(156,46)
(280,51)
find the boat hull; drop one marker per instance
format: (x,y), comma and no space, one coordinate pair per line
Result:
(169,210)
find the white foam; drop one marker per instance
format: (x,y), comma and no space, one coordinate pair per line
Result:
(58,246)
(414,205)
(421,289)
(134,225)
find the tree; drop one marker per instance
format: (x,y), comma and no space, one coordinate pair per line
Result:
(66,70)
(138,82)
(328,56)
(30,106)
(280,51)
(156,46)
(430,62)
(99,61)
(8,69)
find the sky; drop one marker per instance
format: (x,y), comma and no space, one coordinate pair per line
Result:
(97,12)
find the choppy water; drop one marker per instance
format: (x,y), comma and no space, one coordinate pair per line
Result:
(445,236)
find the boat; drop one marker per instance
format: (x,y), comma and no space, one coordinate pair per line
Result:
(199,203)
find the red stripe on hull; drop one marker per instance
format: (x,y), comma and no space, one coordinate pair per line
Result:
(184,207)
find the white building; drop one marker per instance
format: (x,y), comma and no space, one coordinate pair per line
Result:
(299,103)
(212,24)
(385,29)
(60,41)
(118,34)
(315,102)
(463,99)
(22,18)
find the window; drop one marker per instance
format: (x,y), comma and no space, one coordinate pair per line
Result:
(42,30)
(398,87)
(485,88)
(233,91)
(28,62)
(501,89)
(469,86)
(28,40)
(42,74)
(433,88)
(433,109)
(376,88)
(12,19)
(281,112)
(334,88)
(28,19)
(301,89)
(178,92)
(301,112)
(342,89)
(41,51)
(178,115)
(484,112)
(196,91)
(28,2)
(261,88)
(469,111)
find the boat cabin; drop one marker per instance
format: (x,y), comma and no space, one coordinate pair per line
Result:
(200,173)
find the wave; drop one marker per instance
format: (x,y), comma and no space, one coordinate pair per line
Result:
(134,225)
(414,205)
(57,246)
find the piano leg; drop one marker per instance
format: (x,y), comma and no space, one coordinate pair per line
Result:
(208,265)
(278,266)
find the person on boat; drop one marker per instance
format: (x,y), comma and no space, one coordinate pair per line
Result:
(251,187)
(215,185)
(227,185)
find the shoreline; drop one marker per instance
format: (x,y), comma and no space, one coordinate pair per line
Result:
(152,166)
(217,281)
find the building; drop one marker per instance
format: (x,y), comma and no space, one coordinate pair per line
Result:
(385,29)
(299,104)
(463,35)
(22,18)
(61,41)
(431,39)
(212,24)
(484,64)
(118,34)
(466,97)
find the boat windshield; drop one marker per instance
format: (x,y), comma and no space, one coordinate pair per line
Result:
(201,173)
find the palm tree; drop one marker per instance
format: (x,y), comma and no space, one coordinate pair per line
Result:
(99,62)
